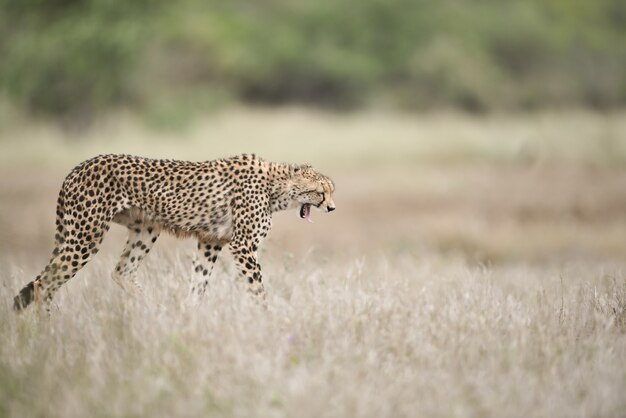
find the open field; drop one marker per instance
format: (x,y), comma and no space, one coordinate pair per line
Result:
(474,267)
(402,336)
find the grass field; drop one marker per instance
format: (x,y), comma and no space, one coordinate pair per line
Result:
(474,267)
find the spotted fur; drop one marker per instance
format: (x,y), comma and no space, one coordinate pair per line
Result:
(221,202)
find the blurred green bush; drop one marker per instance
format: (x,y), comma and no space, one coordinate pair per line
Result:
(81,57)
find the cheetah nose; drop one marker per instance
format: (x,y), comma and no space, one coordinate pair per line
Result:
(330,208)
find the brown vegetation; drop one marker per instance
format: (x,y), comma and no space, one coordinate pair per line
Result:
(468,274)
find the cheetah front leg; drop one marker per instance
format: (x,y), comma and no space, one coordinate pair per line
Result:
(203,263)
(249,268)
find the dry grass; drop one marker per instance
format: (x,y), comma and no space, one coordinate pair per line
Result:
(474,267)
(353,140)
(399,336)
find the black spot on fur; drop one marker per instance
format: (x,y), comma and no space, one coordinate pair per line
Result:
(25,297)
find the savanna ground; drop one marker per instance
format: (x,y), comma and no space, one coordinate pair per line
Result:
(474,267)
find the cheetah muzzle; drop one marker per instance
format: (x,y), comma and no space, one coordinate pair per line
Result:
(225,202)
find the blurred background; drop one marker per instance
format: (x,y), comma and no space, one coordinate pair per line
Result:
(488,130)
(172,60)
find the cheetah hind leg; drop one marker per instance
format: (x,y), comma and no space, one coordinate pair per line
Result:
(34,290)
(66,261)
(141,237)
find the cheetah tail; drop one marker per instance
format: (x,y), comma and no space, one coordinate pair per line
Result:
(25,297)
(60,228)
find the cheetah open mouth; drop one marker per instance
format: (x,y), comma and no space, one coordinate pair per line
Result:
(305,212)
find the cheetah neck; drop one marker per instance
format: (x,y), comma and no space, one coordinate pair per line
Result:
(281,197)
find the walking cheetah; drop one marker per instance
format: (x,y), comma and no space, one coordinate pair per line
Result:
(227,201)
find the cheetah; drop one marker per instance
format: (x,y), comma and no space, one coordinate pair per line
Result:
(228,201)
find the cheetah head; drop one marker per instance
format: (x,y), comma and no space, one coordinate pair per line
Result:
(311,188)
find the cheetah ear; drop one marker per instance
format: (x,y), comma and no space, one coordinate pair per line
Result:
(295,168)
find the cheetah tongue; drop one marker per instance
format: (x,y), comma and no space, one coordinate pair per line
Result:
(305,212)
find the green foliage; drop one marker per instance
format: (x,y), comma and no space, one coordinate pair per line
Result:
(70,56)
(81,56)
